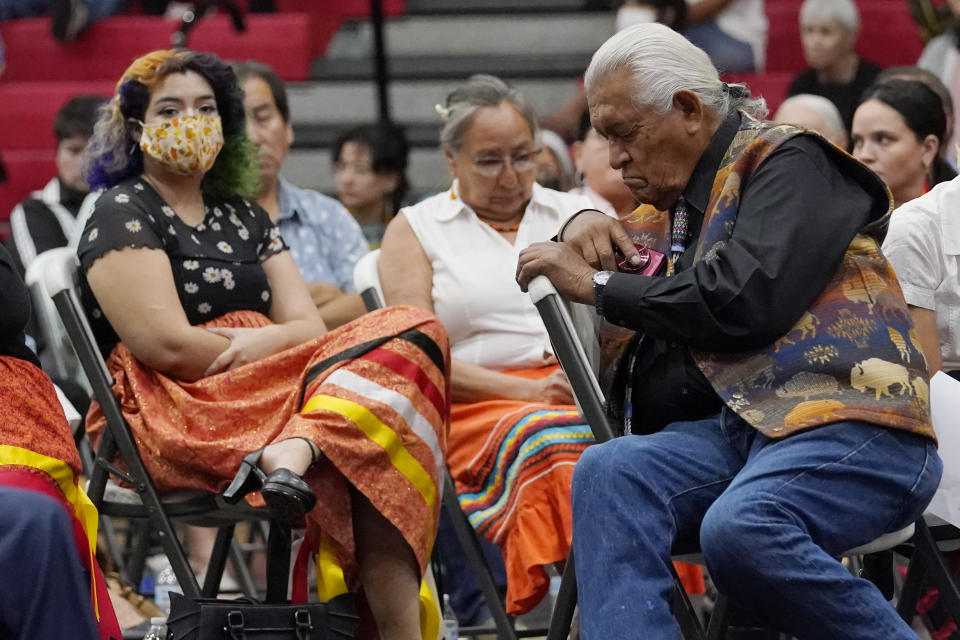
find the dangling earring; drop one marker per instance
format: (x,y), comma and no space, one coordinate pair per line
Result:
(133,148)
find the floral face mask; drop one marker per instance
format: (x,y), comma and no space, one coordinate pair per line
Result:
(186,145)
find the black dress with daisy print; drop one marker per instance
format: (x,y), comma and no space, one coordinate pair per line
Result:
(216,264)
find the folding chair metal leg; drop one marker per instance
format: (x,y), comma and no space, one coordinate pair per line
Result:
(937,570)
(683,611)
(217,562)
(241,571)
(719,619)
(912,588)
(566,604)
(481,571)
(278,562)
(137,545)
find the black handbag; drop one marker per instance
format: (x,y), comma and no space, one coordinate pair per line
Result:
(212,619)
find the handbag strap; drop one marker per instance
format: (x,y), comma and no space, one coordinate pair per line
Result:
(302,621)
(235,625)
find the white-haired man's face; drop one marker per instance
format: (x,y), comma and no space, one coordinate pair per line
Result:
(803,115)
(654,153)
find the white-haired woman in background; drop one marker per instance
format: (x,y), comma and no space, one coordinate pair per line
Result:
(814,112)
(828,32)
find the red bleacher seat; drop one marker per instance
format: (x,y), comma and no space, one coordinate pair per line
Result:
(27,110)
(285,41)
(26,171)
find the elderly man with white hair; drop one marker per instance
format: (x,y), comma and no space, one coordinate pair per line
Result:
(828,33)
(773,398)
(816,113)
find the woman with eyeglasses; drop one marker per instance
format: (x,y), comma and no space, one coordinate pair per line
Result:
(515,434)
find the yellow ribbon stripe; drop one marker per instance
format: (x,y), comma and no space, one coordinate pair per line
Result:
(383,436)
(62,474)
(330,580)
(331,583)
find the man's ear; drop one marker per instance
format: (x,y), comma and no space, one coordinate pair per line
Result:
(690,107)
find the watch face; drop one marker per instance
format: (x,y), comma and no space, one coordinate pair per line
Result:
(600,277)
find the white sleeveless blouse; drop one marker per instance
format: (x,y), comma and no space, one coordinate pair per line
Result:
(475,294)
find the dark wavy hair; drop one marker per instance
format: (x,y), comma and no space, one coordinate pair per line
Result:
(114,155)
(388,153)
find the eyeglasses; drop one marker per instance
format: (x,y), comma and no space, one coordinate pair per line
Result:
(491,166)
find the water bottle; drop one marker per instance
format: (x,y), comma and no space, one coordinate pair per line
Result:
(166,581)
(451,628)
(158,629)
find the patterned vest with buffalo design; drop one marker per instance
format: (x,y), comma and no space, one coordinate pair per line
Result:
(853,355)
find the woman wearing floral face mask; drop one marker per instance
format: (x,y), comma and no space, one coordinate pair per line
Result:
(224,368)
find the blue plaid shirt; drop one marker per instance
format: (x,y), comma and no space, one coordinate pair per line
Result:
(324,239)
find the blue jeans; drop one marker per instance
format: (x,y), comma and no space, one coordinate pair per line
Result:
(726,52)
(771,515)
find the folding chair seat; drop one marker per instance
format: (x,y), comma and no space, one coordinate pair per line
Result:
(144,502)
(577,367)
(366,279)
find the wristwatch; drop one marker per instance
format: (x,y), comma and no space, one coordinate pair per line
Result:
(600,279)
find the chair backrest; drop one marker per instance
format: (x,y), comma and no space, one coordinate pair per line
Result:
(366,280)
(572,356)
(58,357)
(61,281)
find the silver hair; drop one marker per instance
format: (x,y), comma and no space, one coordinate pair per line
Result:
(662,62)
(843,12)
(480,90)
(824,107)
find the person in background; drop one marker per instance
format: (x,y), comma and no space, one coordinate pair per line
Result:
(948,150)
(554,167)
(67,17)
(897,132)
(370,173)
(514,430)
(814,112)
(940,57)
(566,119)
(828,33)
(324,239)
(732,32)
(601,183)
(48,218)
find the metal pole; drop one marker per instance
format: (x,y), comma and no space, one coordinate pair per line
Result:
(380,60)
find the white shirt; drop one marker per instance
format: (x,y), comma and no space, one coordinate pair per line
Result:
(940,57)
(923,245)
(475,293)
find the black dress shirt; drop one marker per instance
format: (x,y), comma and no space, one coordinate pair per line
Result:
(798,214)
